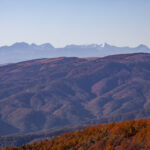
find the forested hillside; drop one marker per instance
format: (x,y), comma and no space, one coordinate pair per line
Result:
(131,135)
(53,93)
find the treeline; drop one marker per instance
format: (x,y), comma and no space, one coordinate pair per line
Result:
(127,135)
(23,139)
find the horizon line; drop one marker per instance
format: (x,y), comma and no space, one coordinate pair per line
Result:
(96,44)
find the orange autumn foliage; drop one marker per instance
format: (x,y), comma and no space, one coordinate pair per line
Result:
(127,135)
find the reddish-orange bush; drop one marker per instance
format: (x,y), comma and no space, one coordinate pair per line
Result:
(130,135)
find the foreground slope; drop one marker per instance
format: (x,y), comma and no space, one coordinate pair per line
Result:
(132,135)
(47,93)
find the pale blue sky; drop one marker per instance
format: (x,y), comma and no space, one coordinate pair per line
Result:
(63,22)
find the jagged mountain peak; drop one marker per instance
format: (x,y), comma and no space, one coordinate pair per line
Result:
(20,45)
(105,45)
(142,46)
(46,45)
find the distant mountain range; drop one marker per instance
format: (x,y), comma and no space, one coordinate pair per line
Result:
(22,51)
(53,93)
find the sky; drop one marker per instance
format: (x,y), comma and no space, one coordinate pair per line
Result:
(64,22)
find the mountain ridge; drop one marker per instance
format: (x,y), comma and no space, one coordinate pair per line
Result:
(46,93)
(22,51)
(82,45)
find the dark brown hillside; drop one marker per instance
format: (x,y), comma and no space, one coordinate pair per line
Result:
(46,93)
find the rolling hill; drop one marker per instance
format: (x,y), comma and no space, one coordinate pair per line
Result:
(46,93)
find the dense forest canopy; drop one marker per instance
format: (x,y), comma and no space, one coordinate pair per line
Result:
(131,135)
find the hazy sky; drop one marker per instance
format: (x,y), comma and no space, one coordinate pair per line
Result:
(62,22)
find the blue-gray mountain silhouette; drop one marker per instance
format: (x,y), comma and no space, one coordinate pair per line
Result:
(23,51)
